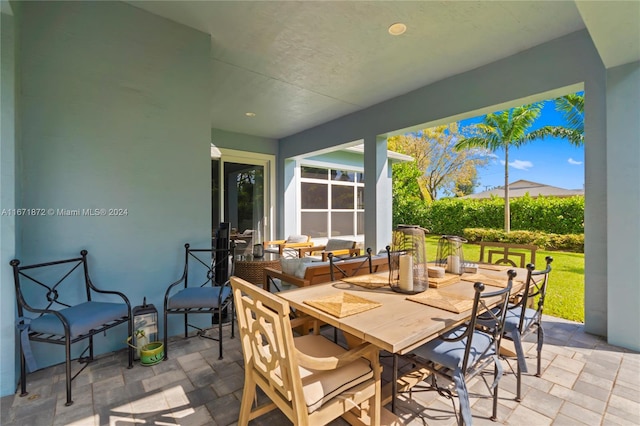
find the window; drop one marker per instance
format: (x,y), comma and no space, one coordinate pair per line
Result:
(332,202)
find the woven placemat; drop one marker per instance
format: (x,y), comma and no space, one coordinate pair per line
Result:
(492,281)
(343,304)
(490,267)
(369,280)
(448,279)
(448,302)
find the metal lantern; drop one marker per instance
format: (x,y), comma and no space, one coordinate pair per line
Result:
(145,326)
(450,255)
(408,260)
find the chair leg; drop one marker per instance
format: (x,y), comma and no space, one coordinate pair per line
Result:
(23,372)
(518,384)
(233,318)
(68,371)
(130,353)
(220,333)
(494,416)
(90,348)
(539,349)
(166,326)
(248,394)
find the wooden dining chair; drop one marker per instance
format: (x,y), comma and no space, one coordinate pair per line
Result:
(364,267)
(464,352)
(288,247)
(507,253)
(309,378)
(334,246)
(522,320)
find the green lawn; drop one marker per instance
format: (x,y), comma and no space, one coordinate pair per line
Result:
(565,295)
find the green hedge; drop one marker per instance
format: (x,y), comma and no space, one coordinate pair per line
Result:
(551,215)
(545,241)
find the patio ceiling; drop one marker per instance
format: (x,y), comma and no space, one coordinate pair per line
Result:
(299,64)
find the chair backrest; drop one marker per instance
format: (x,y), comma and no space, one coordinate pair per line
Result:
(52,285)
(293,239)
(208,266)
(267,339)
(489,312)
(222,242)
(337,244)
(507,253)
(338,271)
(535,286)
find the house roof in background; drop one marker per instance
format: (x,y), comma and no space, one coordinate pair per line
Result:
(299,64)
(521,187)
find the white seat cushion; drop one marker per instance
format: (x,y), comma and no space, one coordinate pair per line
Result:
(320,386)
(336,244)
(297,239)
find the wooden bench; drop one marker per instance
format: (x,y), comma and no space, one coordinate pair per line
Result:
(321,273)
(56,305)
(507,253)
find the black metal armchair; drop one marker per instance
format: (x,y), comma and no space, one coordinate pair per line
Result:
(208,292)
(524,316)
(467,350)
(62,314)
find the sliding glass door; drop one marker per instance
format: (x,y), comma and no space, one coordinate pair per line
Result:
(241,192)
(244,195)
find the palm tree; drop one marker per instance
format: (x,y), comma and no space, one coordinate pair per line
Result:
(572,107)
(509,128)
(502,130)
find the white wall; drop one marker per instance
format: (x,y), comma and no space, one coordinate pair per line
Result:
(8,202)
(115,114)
(623,191)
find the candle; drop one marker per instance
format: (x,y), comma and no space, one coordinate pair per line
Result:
(405,281)
(453,264)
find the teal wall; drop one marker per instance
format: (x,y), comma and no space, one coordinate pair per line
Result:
(8,194)
(241,142)
(343,158)
(623,104)
(115,114)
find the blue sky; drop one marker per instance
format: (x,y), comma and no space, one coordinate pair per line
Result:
(550,161)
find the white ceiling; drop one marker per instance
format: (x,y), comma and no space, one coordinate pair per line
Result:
(299,64)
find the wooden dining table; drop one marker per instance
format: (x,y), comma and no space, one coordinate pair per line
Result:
(396,324)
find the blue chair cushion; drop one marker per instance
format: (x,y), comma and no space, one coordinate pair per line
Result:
(450,354)
(512,319)
(82,318)
(198,297)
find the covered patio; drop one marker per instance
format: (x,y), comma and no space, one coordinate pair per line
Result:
(585,381)
(116,105)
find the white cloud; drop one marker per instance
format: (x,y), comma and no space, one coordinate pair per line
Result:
(574,162)
(519,164)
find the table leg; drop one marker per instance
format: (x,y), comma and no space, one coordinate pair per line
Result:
(394,383)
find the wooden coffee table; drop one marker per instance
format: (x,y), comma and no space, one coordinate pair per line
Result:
(250,268)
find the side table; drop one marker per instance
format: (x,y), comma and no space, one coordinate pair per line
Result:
(250,268)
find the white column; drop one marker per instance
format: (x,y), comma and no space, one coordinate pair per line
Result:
(623,205)
(377,194)
(290,208)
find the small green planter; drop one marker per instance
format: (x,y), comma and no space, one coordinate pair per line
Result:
(152,353)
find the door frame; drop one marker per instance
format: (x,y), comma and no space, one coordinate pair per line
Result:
(268,162)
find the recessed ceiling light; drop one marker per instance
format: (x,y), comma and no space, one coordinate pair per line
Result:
(250,114)
(397,29)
